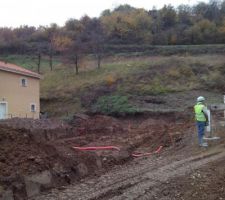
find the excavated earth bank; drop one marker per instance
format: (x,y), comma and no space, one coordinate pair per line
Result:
(37,155)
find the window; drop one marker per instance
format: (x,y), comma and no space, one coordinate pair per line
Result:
(23,82)
(33,107)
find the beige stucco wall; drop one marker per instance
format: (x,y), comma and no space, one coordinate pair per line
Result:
(18,98)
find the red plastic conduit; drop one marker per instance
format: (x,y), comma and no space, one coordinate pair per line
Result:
(147,154)
(118,149)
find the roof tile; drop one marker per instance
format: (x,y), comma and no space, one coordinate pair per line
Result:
(17,69)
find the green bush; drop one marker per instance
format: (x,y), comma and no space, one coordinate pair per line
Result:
(114,105)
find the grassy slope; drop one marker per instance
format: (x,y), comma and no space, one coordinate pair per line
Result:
(138,78)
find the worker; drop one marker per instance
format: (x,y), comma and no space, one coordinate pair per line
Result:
(201,118)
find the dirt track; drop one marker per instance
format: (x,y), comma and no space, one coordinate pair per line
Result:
(142,181)
(183,171)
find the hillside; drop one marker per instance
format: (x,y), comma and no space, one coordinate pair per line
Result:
(128,83)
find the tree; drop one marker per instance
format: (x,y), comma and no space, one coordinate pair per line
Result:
(200,10)
(105,13)
(126,8)
(39,62)
(73,25)
(95,38)
(128,27)
(63,43)
(221,31)
(23,34)
(39,44)
(213,11)
(51,32)
(70,45)
(208,31)
(184,15)
(8,41)
(168,16)
(222,9)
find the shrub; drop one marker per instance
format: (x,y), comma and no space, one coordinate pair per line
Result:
(114,105)
(110,80)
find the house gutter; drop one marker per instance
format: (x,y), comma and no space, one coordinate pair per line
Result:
(21,73)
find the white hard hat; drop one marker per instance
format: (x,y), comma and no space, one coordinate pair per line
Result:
(200,99)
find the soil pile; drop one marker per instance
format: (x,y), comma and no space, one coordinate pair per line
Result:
(22,156)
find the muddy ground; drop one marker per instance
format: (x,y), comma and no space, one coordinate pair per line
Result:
(40,159)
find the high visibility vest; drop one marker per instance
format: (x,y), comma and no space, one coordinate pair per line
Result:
(199,115)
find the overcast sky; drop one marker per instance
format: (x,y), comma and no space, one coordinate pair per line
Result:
(44,12)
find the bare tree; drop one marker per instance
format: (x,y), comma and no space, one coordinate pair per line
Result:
(94,36)
(39,63)
(51,32)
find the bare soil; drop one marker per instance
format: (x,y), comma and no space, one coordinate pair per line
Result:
(172,174)
(179,172)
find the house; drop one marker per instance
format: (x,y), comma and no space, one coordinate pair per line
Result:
(19,92)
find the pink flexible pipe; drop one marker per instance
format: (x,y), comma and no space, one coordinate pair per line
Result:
(118,149)
(147,154)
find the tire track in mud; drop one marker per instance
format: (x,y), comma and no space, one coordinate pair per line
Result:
(164,174)
(133,181)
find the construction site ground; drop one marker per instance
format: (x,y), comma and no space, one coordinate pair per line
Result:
(40,162)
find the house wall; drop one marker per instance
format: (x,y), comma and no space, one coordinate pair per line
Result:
(19,98)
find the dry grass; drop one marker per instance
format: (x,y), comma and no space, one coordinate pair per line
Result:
(63,82)
(132,75)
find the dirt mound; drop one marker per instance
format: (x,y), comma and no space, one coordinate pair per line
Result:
(19,153)
(22,156)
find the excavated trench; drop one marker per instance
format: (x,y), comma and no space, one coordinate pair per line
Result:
(37,155)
